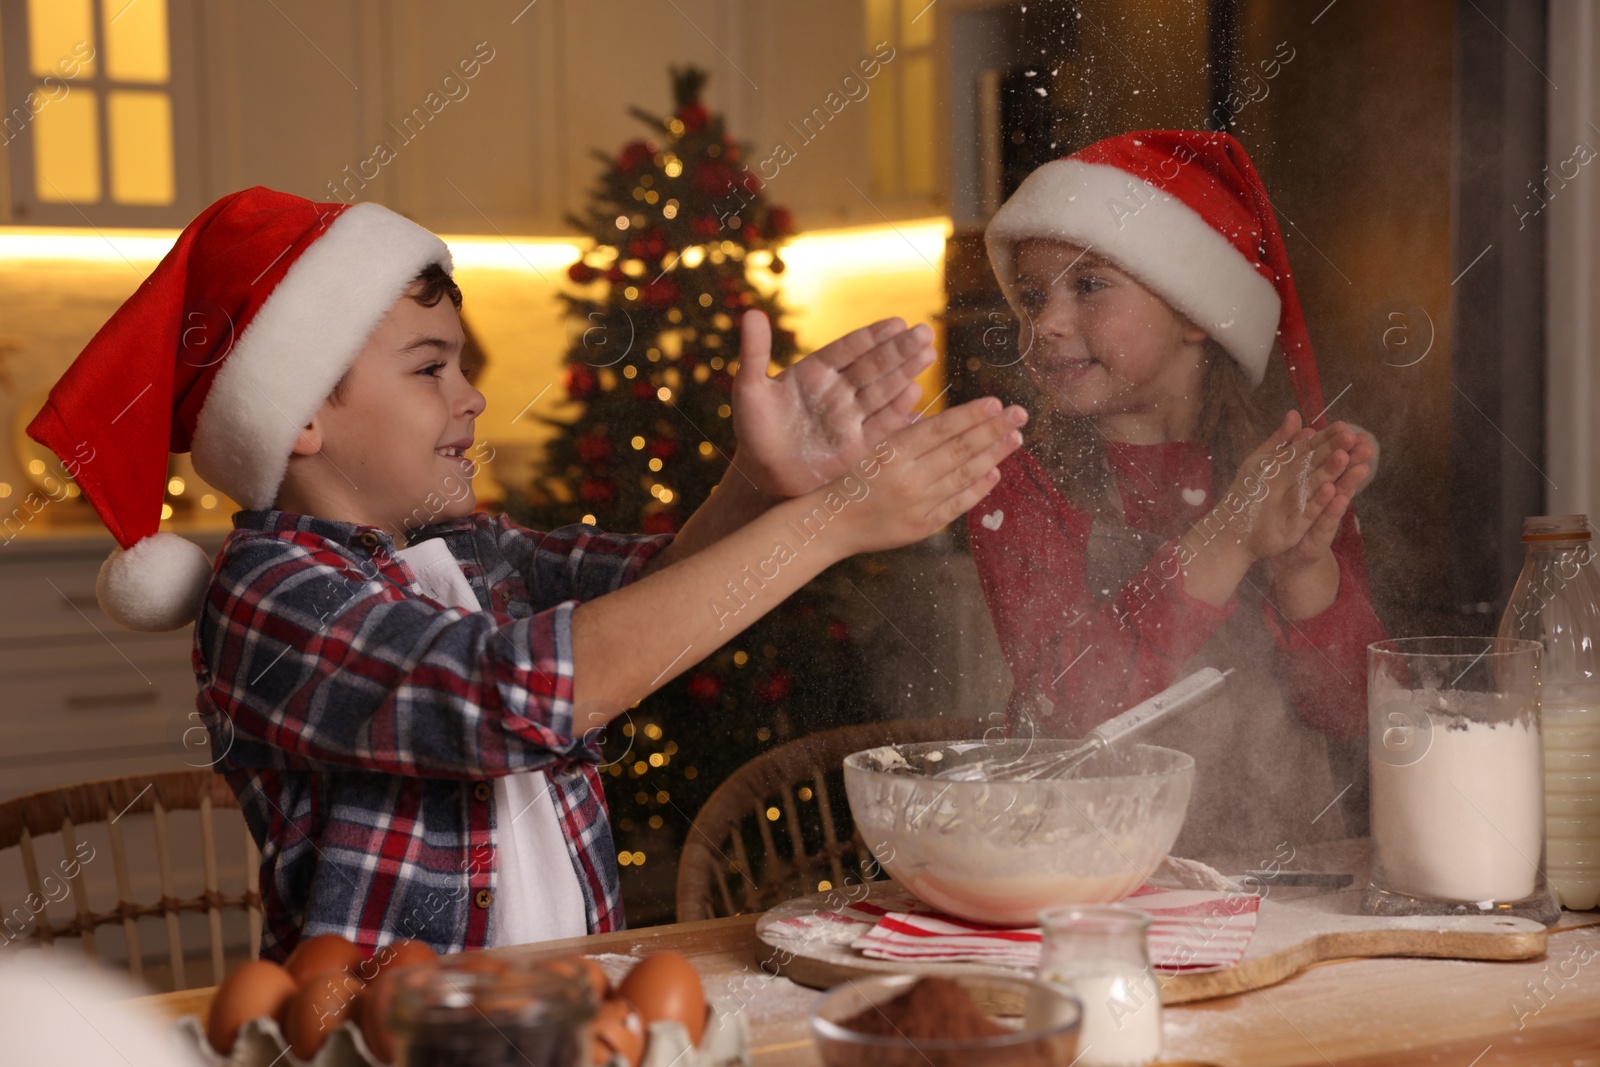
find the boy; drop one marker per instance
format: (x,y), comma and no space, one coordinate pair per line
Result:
(387,726)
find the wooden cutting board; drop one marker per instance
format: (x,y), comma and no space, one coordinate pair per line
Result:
(1295,928)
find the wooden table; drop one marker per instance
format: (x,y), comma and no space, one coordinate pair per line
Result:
(1349,1013)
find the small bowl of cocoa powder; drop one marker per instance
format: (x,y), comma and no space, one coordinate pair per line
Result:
(905,1020)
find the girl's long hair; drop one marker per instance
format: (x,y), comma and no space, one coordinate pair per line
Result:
(1231,425)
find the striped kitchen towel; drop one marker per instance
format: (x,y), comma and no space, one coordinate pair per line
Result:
(1190,931)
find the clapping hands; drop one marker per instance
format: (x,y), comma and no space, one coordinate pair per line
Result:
(807,425)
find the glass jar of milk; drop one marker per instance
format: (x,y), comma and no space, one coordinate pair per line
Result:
(1099,953)
(1457,763)
(1557,603)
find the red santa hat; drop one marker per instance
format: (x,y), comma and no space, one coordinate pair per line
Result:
(225,351)
(1184,212)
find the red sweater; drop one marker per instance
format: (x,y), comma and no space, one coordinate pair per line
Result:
(1095,652)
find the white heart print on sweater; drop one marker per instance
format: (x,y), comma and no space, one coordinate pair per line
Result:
(993,520)
(1194,497)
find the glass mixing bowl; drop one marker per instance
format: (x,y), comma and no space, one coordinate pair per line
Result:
(1000,852)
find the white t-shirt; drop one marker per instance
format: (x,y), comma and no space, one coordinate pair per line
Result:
(537,895)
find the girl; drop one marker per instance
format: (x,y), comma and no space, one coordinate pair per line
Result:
(1155,523)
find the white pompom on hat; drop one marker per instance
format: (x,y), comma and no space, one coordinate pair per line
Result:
(226,351)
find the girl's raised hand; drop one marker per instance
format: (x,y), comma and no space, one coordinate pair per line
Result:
(921,478)
(1285,486)
(1315,545)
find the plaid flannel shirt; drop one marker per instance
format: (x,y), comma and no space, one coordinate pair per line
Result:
(360,722)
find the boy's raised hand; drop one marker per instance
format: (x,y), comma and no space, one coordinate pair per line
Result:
(924,476)
(808,425)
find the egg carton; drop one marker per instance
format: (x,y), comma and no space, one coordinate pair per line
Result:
(725,1043)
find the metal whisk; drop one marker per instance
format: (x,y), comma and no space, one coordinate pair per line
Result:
(1196,689)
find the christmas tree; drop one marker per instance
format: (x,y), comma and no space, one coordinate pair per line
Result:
(677,223)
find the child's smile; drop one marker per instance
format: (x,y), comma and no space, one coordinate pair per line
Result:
(1097,342)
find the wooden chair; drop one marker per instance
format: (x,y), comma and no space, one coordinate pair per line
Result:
(67,809)
(800,783)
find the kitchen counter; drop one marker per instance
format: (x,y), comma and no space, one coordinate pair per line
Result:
(1344,1013)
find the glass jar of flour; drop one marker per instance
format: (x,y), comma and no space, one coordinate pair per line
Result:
(1557,603)
(1457,760)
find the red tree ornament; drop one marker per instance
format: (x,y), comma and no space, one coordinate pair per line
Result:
(594,448)
(635,155)
(705,688)
(580,382)
(694,117)
(598,490)
(776,687)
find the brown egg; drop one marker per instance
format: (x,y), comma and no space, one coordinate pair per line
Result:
(372,1005)
(393,956)
(666,986)
(477,961)
(318,1008)
(590,970)
(254,988)
(618,1031)
(325,952)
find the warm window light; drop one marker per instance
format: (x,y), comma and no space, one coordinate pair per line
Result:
(141,147)
(175,486)
(54,28)
(66,149)
(136,41)
(117,118)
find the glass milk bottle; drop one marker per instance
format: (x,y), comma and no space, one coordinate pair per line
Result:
(1099,952)
(1557,601)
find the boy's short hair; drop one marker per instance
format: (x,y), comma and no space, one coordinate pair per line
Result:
(432,284)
